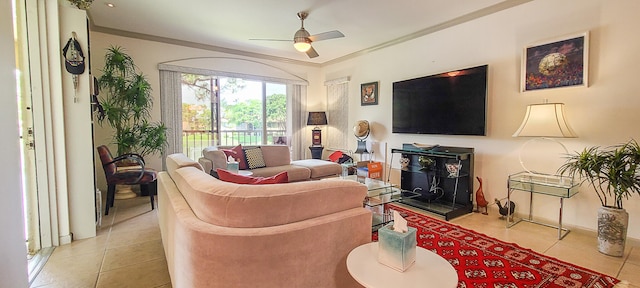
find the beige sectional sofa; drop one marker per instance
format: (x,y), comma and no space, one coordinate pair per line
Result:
(277,159)
(220,234)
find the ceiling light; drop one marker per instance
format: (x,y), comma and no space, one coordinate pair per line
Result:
(302,46)
(111,5)
(301,40)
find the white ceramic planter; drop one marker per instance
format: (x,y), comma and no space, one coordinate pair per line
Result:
(612,230)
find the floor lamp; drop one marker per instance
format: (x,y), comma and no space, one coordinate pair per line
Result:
(545,121)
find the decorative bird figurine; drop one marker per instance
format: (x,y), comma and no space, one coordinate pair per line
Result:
(481,202)
(508,209)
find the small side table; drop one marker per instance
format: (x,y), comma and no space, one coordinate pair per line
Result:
(430,270)
(545,184)
(316,152)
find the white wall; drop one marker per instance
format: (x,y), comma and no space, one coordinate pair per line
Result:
(77,131)
(148,54)
(13,267)
(603,114)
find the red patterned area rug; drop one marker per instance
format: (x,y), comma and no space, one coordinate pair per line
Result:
(482,261)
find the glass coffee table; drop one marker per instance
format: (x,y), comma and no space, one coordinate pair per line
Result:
(380,194)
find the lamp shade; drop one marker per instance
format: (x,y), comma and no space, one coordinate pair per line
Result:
(317,118)
(545,120)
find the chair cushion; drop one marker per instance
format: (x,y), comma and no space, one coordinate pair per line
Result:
(227,176)
(129,177)
(254,158)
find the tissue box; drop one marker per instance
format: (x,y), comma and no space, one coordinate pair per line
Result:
(397,250)
(233,167)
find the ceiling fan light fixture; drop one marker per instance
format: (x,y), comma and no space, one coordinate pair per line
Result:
(302,46)
(301,40)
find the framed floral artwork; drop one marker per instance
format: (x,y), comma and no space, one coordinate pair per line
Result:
(562,62)
(369,94)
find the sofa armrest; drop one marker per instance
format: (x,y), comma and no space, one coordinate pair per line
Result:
(207,165)
(217,158)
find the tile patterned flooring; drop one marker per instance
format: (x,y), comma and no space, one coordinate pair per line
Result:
(127,252)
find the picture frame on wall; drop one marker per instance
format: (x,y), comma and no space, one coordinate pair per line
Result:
(280,140)
(557,63)
(369,93)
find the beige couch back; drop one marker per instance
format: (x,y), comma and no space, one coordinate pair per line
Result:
(274,155)
(227,204)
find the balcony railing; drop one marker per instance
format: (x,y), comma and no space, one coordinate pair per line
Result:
(193,141)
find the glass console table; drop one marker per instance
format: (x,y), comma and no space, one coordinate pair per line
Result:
(545,184)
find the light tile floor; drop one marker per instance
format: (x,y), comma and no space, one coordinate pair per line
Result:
(127,252)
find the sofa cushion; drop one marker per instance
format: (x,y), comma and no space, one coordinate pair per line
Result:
(227,176)
(319,168)
(254,158)
(276,155)
(295,173)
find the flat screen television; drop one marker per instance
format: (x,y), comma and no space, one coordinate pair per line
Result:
(450,103)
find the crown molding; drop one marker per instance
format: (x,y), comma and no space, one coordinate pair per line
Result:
(190,44)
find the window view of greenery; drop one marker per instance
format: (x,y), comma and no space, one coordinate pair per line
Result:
(231,111)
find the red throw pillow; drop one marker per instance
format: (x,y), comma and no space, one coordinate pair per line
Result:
(224,175)
(335,156)
(239,156)
(233,154)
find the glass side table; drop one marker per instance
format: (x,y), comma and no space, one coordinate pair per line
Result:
(379,194)
(545,184)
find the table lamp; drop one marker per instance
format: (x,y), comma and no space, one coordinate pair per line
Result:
(316,118)
(544,121)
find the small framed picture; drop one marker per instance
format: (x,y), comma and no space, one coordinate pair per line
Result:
(280,140)
(369,94)
(562,62)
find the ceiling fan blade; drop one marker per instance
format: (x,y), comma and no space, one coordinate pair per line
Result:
(326,35)
(260,39)
(312,53)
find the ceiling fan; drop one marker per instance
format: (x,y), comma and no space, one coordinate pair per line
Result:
(302,39)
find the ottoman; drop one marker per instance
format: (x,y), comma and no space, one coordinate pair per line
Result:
(319,168)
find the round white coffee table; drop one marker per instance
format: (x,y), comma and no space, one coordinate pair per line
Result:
(430,270)
(244,172)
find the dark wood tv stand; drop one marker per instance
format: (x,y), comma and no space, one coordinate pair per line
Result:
(443,191)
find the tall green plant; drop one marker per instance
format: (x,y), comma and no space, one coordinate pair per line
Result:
(613,172)
(127,103)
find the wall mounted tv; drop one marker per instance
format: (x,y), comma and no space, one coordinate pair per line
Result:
(450,103)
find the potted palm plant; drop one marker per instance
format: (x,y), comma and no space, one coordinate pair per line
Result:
(127,106)
(613,173)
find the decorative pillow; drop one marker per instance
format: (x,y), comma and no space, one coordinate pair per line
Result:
(335,156)
(282,177)
(254,158)
(229,152)
(239,156)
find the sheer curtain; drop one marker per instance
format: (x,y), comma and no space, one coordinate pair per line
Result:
(171,106)
(297,104)
(337,112)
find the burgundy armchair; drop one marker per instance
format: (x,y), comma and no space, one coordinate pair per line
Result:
(137,176)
